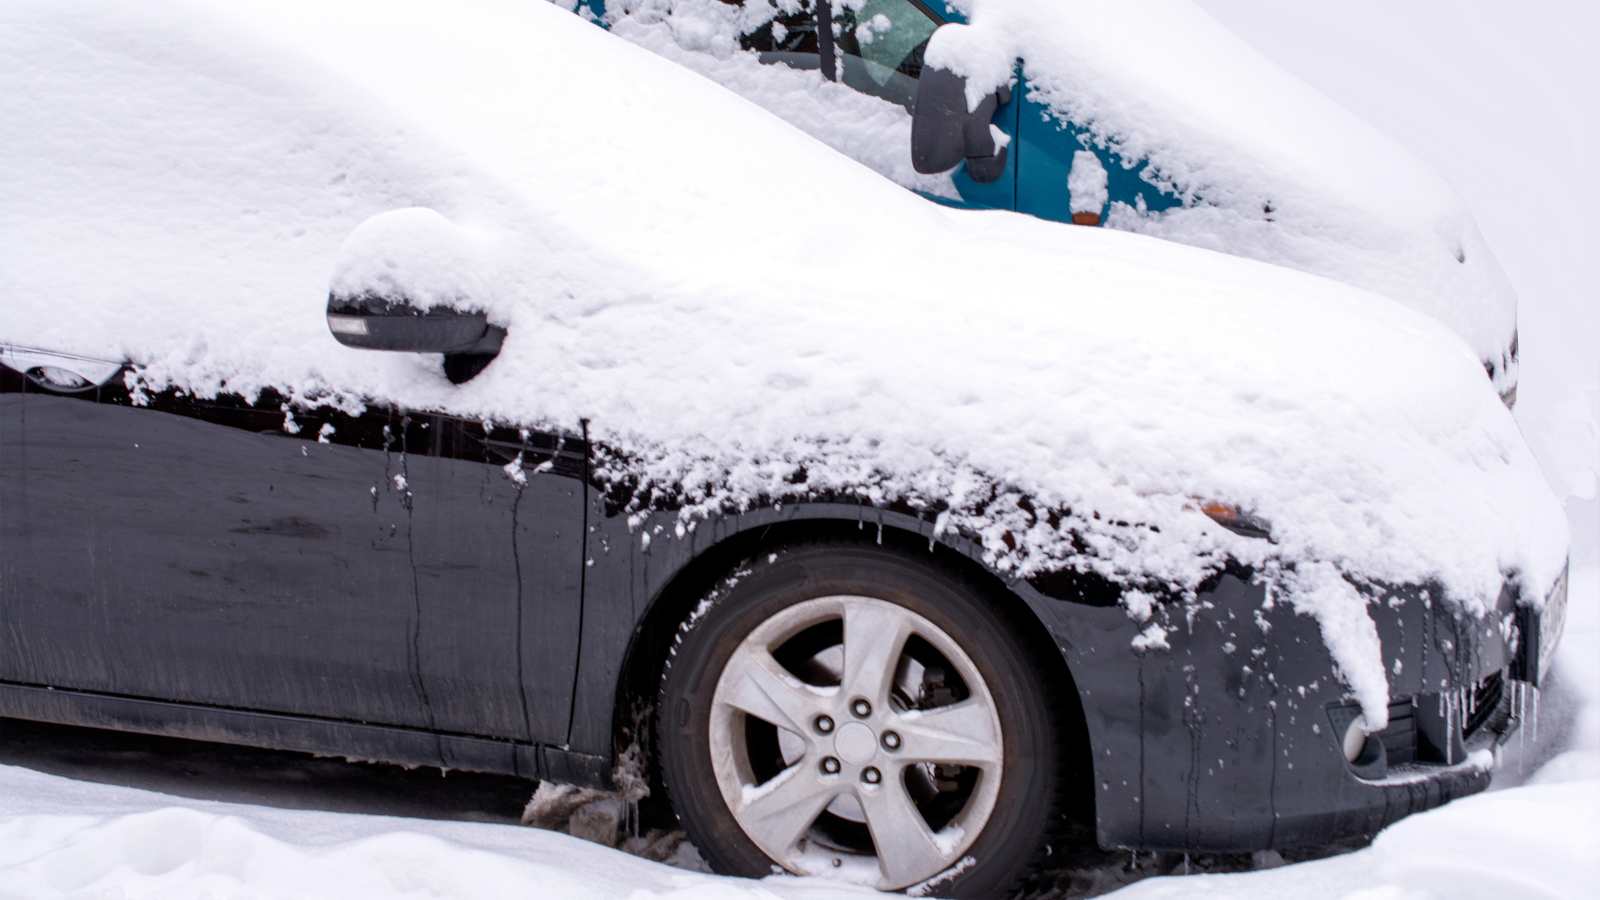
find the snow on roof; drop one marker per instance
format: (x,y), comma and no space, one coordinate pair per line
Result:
(741,313)
(1283,173)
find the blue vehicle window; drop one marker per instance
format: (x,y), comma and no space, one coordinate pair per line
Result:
(876,47)
(790,39)
(880,46)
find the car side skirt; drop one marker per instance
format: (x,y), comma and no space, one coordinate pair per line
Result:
(357,741)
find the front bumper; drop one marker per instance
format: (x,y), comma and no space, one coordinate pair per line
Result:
(1230,740)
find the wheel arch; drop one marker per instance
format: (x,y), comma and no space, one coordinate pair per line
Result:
(738,538)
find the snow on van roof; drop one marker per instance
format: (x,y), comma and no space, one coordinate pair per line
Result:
(1282,173)
(742,314)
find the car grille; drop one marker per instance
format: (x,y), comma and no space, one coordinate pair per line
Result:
(1400,738)
(1486,699)
(1404,743)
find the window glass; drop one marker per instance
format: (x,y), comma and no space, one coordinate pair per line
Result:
(790,38)
(880,45)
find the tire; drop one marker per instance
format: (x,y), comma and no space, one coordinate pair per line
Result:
(745,759)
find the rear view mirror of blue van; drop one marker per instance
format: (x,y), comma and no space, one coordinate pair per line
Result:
(945,132)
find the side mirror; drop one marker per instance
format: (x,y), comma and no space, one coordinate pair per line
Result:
(944,132)
(467,340)
(405,281)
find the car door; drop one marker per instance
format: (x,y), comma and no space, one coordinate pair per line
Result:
(381,567)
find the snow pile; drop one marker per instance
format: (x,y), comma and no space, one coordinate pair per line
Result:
(1434,74)
(703,35)
(1532,842)
(418,254)
(117,842)
(1066,397)
(1086,183)
(1268,167)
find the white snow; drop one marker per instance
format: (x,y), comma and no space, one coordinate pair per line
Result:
(1318,590)
(1268,167)
(223,153)
(61,839)
(703,35)
(213,239)
(1087,184)
(1272,168)
(419,253)
(1531,842)
(1503,104)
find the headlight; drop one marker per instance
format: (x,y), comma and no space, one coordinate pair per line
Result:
(1236,520)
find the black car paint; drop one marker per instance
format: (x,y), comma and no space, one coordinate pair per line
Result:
(204,568)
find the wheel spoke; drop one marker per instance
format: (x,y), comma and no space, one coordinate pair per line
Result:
(780,812)
(907,850)
(962,733)
(874,637)
(766,690)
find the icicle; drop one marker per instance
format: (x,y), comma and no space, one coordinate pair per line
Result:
(1450,730)
(1535,717)
(1522,730)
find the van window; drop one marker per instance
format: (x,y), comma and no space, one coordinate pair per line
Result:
(790,39)
(876,45)
(880,46)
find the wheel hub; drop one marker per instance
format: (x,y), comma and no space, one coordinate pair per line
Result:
(856,744)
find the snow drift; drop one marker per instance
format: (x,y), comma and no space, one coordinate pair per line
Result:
(1267,167)
(182,178)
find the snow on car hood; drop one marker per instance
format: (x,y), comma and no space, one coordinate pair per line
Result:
(740,313)
(1269,167)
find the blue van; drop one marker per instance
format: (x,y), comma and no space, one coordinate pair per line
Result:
(852,74)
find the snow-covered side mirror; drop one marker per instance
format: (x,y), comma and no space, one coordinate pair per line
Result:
(409,280)
(944,131)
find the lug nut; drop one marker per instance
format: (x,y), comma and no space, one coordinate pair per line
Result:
(824,724)
(830,766)
(871,776)
(861,708)
(891,741)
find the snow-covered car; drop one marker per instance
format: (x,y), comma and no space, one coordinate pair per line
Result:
(460,385)
(1140,115)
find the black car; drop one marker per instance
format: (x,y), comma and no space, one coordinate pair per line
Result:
(824,685)
(871,537)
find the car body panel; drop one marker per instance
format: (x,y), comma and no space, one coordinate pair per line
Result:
(196,551)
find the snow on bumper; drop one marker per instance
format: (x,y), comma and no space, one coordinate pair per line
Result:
(1230,738)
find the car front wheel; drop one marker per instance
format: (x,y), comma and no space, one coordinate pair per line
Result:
(850,712)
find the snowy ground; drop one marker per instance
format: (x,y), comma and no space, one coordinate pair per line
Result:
(1490,95)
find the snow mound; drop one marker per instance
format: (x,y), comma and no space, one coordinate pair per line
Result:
(1529,842)
(1268,167)
(703,35)
(1066,397)
(416,254)
(131,844)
